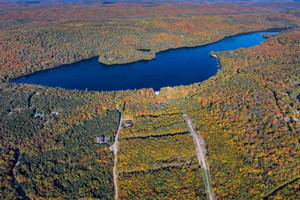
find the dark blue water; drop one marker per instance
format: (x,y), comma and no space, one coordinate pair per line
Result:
(170,68)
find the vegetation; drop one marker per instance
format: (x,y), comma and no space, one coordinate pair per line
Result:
(85,165)
(147,126)
(165,183)
(40,44)
(248,113)
(248,117)
(151,153)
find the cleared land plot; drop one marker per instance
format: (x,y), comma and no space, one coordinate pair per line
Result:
(168,183)
(156,152)
(152,126)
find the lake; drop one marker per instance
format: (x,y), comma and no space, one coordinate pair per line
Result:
(182,66)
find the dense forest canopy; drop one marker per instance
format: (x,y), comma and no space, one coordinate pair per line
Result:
(248,113)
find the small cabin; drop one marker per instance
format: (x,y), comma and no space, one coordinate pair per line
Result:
(55,113)
(128,125)
(39,115)
(102,139)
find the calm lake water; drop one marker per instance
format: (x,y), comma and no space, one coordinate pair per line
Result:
(170,68)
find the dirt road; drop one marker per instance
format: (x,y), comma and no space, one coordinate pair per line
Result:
(114,148)
(200,151)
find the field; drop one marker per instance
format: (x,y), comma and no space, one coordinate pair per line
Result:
(161,165)
(177,183)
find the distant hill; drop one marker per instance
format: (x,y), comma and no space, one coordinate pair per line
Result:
(27,3)
(136,1)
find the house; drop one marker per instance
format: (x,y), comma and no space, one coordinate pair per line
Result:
(128,125)
(39,115)
(102,139)
(55,113)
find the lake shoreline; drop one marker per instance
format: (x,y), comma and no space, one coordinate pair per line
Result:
(182,66)
(10,80)
(196,46)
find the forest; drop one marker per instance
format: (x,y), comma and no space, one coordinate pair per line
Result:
(248,113)
(30,44)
